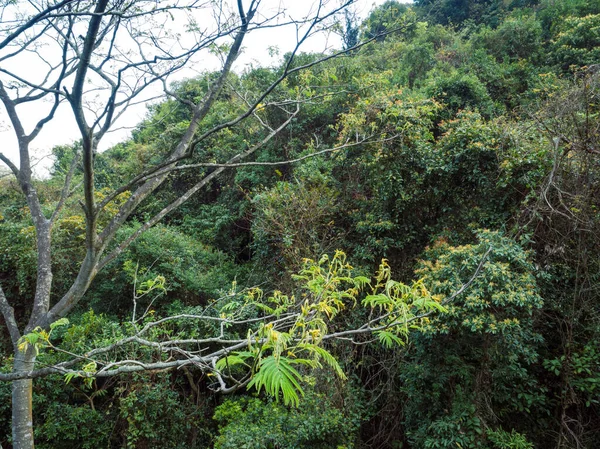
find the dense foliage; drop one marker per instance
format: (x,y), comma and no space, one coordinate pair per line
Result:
(482,143)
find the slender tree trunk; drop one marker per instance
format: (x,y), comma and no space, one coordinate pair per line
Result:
(22,421)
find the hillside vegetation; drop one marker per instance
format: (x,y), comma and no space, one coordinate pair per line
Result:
(480,142)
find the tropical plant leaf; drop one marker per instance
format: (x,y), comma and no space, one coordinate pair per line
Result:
(233,359)
(389,339)
(361,281)
(379,300)
(277,375)
(58,323)
(327,358)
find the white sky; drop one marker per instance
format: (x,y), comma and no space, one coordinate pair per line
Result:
(63,130)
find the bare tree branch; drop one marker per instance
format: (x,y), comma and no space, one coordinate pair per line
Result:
(9,163)
(95,244)
(207,361)
(66,188)
(347,144)
(229,124)
(9,318)
(31,22)
(367,327)
(183,198)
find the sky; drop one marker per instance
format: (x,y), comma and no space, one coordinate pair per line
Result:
(63,129)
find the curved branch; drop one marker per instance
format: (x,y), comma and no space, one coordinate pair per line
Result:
(66,188)
(9,318)
(183,198)
(279,163)
(10,165)
(45,14)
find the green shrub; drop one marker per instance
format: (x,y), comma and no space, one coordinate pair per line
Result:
(577,42)
(251,423)
(472,366)
(194,272)
(515,38)
(458,91)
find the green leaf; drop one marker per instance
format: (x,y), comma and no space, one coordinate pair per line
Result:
(389,339)
(328,358)
(277,375)
(232,360)
(58,323)
(379,300)
(361,281)
(69,377)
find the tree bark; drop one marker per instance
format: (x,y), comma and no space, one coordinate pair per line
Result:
(22,419)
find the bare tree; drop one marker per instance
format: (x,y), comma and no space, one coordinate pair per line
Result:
(99,58)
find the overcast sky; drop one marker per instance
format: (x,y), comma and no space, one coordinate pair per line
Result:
(63,130)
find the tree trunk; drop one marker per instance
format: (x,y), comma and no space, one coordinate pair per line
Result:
(22,421)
